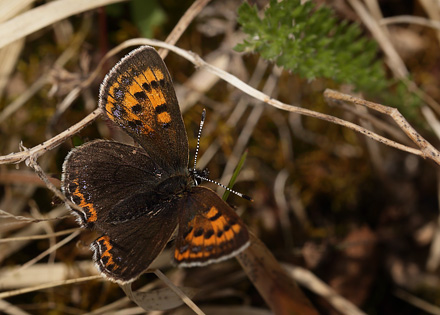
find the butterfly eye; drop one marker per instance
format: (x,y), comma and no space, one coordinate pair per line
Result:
(157,173)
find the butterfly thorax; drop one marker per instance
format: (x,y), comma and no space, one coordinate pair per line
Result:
(175,185)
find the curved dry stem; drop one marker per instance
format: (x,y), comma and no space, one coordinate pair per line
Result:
(183,23)
(410,19)
(49,285)
(50,144)
(179,292)
(45,15)
(426,149)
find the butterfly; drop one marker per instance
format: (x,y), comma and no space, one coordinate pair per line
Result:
(136,197)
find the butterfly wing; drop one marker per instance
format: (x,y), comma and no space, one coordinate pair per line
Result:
(126,250)
(138,95)
(209,230)
(112,183)
(100,174)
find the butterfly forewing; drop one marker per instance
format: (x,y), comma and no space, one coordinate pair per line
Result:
(139,96)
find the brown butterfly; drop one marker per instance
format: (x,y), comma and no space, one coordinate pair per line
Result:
(136,196)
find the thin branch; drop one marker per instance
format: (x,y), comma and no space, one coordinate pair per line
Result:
(37,237)
(426,149)
(183,23)
(314,284)
(8,294)
(50,144)
(410,19)
(179,292)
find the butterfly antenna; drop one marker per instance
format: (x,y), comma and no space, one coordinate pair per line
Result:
(195,173)
(221,185)
(202,122)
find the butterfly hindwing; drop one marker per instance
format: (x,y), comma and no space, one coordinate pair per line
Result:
(126,249)
(209,230)
(138,95)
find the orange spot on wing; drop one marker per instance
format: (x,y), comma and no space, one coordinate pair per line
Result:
(236,228)
(210,241)
(153,75)
(108,108)
(157,98)
(84,204)
(229,235)
(181,256)
(196,255)
(106,253)
(164,118)
(134,88)
(212,212)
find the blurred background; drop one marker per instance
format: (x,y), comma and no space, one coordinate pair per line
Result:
(363,217)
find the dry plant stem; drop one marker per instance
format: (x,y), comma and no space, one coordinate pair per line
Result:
(378,123)
(432,9)
(67,54)
(310,281)
(236,114)
(279,192)
(23,98)
(248,129)
(276,287)
(49,250)
(118,304)
(37,237)
(426,149)
(432,120)
(7,294)
(183,23)
(32,229)
(432,153)
(45,15)
(24,177)
(50,144)
(433,259)
(394,61)
(396,64)
(411,20)
(179,292)
(7,308)
(5,214)
(417,302)
(32,162)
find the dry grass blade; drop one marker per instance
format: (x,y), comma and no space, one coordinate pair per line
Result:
(45,15)
(179,292)
(48,145)
(183,23)
(310,281)
(411,20)
(419,303)
(7,308)
(54,284)
(275,286)
(426,149)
